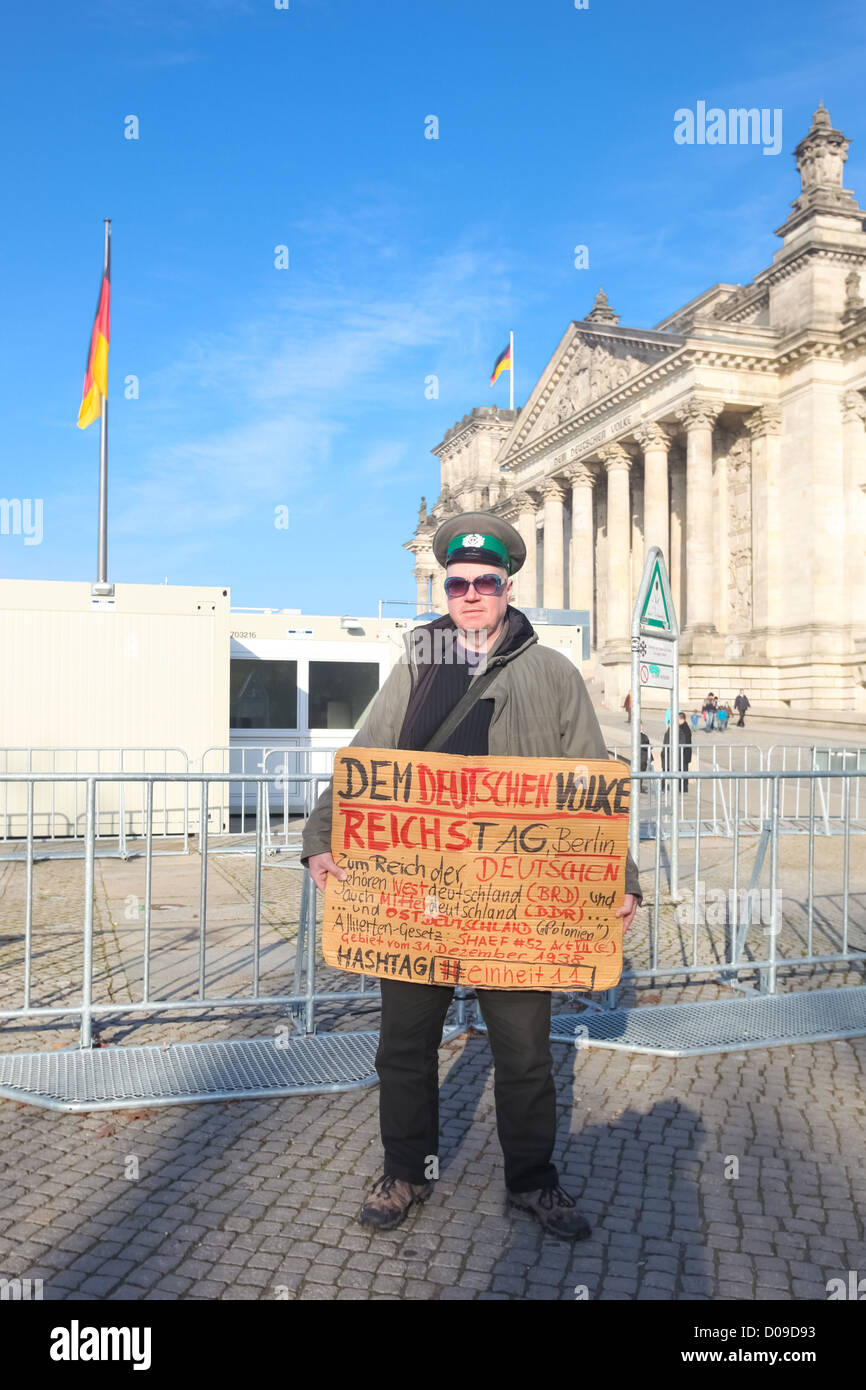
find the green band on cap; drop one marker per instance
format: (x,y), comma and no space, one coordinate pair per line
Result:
(474,540)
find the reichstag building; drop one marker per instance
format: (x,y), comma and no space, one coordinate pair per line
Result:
(732,436)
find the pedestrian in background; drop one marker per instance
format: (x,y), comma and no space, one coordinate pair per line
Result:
(708,710)
(685,748)
(741,704)
(646,760)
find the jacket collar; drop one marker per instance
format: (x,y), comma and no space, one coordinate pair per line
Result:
(519,635)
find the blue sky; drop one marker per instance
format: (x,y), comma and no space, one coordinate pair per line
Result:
(305,387)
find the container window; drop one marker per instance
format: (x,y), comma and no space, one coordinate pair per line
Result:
(264,695)
(340,691)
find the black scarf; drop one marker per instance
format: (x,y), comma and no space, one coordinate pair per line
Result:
(517,631)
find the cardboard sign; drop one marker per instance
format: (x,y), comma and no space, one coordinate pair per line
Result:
(498,873)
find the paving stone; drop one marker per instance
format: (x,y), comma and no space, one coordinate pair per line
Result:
(387,1283)
(692,1284)
(619,1285)
(508,1284)
(808,1288)
(734,1288)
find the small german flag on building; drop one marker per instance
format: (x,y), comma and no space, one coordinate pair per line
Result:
(96,373)
(502,363)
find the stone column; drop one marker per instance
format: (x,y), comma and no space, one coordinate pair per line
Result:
(637,546)
(655,442)
(617,465)
(721,543)
(420,587)
(677,531)
(553,544)
(440,602)
(526,580)
(854,535)
(600,557)
(698,417)
(765,427)
(582,540)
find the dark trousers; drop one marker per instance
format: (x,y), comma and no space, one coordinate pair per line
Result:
(685,763)
(518,1024)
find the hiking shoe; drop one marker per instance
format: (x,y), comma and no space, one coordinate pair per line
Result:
(389,1202)
(557,1211)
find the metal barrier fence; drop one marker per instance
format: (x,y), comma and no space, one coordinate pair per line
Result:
(90,1078)
(714,934)
(120,812)
(59,812)
(737,914)
(717,942)
(805,793)
(797,799)
(716,815)
(234,799)
(86,1009)
(287,763)
(233,803)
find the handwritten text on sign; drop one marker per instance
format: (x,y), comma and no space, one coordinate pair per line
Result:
(502,873)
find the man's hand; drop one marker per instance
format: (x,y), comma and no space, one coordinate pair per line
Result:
(320,865)
(626,912)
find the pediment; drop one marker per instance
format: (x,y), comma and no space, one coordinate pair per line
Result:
(589,364)
(592,373)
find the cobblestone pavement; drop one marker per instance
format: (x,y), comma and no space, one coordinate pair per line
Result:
(257,1199)
(731,1176)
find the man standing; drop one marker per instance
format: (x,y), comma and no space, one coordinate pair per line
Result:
(741,704)
(646,757)
(685,735)
(534,704)
(708,710)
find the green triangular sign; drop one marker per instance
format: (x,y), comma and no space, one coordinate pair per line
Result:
(655,610)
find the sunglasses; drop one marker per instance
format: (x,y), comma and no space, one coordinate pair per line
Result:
(485,584)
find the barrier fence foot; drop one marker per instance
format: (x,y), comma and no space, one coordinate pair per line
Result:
(132,1076)
(748,991)
(720,1025)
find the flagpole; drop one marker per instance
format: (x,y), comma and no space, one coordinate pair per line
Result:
(511,373)
(102,585)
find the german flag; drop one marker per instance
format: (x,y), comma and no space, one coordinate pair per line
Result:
(96,373)
(502,363)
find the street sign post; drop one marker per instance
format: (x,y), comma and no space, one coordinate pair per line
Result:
(655,664)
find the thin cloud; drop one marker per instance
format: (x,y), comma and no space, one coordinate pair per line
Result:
(299,380)
(385,459)
(217,480)
(165,60)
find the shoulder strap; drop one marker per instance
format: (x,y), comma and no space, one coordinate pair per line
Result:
(477,686)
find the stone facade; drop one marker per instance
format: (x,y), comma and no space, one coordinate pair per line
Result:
(733,435)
